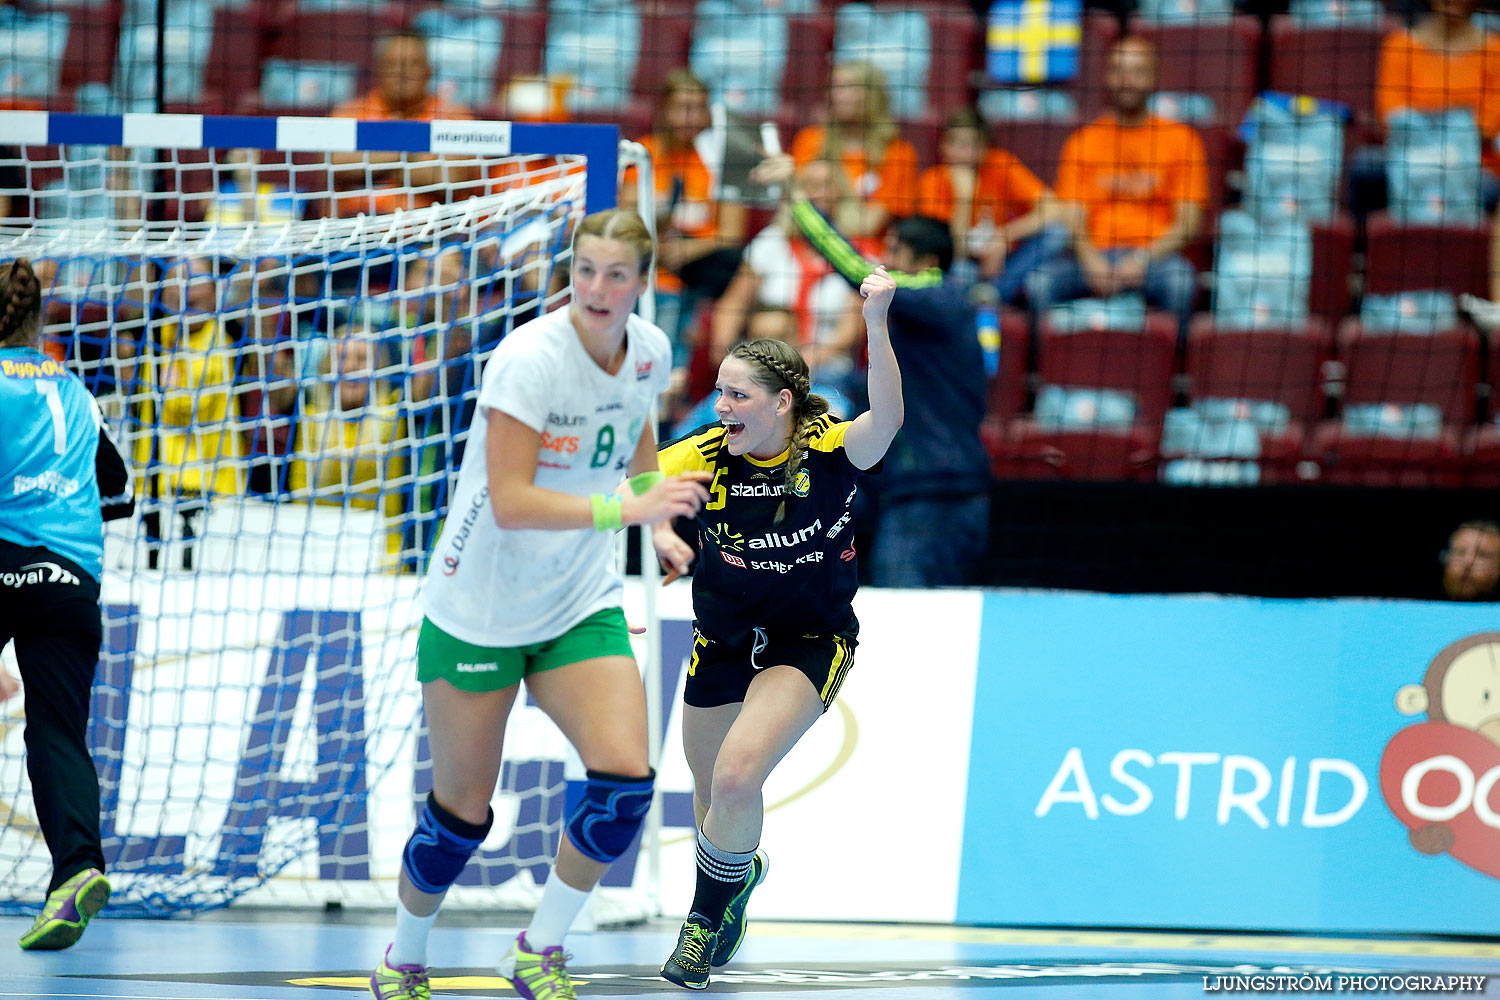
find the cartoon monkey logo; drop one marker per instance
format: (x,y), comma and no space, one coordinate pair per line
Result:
(1462,686)
(1441,778)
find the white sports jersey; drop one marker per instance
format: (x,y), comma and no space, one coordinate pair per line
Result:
(492,586)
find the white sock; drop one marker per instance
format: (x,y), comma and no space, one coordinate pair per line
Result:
(410,945)
(555,914)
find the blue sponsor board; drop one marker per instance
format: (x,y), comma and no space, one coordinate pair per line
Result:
(1223,762)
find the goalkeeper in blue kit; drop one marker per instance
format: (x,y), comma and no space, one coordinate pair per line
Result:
(60,477)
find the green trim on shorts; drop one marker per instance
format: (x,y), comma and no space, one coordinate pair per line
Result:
(493,668)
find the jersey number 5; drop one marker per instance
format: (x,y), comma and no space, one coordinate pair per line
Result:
(59,422)
(716,493)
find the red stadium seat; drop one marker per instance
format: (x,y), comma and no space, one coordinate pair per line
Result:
(808,65)
(1220,60)
(1363,460)
(1279,365)
(926,136)
(1482,444)
(1006,394)
(46,171)
(1099,33)
(1109,359)
(1331,63)
(1440,370)
(1030,452)
(1492,370)
(522,44)
(1007,390)
(231,78)
(1482,457)
(1404,258)
(89,55)
(666,40)
(1036,144)
(1333,254)
(955,58)
(1140,363)
(343,36)
(1222,152)
(522,54)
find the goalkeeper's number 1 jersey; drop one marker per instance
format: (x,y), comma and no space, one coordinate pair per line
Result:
(53,452)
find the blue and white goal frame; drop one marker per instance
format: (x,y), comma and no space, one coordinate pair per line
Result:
(599,144)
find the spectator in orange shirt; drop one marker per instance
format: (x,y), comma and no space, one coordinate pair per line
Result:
(384,180)
(995,207)
(1134,187)
(700,237)
(862,135)
(1442,62)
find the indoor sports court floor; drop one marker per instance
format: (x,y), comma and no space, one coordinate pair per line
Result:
(294,956)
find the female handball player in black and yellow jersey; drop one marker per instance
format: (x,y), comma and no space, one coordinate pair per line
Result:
(774,630)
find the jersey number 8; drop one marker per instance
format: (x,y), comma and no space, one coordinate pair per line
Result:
(604,447)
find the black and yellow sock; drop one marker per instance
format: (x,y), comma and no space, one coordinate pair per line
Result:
(720,875)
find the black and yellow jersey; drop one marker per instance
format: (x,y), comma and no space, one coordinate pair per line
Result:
(799,574)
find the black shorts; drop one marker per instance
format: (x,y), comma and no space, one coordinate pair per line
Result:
(720,673)
(45,594)
(50,606)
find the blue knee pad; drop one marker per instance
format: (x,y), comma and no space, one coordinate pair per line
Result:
(440,846)
(605,822)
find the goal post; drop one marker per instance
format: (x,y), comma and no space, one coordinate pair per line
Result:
(285,320)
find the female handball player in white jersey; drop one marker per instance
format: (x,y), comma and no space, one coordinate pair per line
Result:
(523,584)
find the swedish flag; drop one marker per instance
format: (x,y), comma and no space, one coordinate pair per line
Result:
(1034,41)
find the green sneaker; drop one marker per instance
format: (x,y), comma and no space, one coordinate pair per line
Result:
(399,982)
(688,965)
(732,930)
(538,975)
(69,909)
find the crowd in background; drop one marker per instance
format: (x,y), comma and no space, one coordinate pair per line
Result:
(1126,223)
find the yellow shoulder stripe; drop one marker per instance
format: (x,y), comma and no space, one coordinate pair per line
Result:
(827,434)
(694,453)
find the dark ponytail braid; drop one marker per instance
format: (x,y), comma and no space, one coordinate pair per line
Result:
(781,367)
(20,303)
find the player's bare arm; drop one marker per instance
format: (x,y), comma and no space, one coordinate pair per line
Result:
(871,432)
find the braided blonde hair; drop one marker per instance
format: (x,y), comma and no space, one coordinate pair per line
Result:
(778,366)
(20,303)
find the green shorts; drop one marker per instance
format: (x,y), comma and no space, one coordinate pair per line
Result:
(493,668)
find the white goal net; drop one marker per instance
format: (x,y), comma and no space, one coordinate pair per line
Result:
(287,344)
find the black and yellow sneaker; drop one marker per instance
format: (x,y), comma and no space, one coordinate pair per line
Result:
(732,930)
(688,966)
